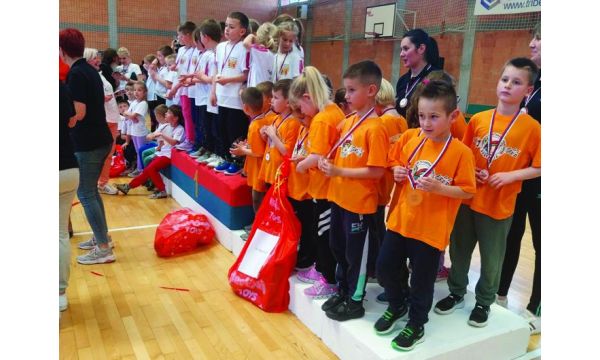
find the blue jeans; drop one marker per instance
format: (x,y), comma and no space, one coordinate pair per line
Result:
(90,166)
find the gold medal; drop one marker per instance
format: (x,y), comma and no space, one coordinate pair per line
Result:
(414,197)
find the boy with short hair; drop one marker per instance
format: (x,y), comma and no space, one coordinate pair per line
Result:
(359,162)
(433,173)
(506,145)
(254,147)
(232,72)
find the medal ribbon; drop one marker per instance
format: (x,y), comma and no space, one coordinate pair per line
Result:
(418,77)
(278,126)
(413,182)
(228,55)
(387,110)
(510,124)
(299,142)
(341,141)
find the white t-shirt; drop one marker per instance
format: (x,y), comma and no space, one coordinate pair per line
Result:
(127,71)
(110,107)
(184,66)
(261,65)
(122,126)
(208,67)
(287,66)
(176,133)
(195,65)
(151,86)
(174,79)
(232,60)
(140,108)
(160,89)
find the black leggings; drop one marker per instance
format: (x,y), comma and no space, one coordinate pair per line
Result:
(528,203)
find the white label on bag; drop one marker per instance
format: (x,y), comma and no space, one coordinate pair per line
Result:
(258,253)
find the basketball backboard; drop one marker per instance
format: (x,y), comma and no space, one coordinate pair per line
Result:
(379,21)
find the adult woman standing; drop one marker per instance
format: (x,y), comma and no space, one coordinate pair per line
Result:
(419,53)
(528,204)
(68,179)
(91,139)
(112,118)
(109,62)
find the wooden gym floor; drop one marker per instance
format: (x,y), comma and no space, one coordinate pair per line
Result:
(120,311)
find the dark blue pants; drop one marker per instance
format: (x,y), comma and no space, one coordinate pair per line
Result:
(392,273)
(233,126)
(197,126)
(350,244)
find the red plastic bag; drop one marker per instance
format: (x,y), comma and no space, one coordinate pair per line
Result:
(117,164)
(182,231)
(262,270)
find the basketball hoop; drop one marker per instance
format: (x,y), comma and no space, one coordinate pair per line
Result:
(370,36)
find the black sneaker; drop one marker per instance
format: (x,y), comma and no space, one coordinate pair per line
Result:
(388,320)
(408,338)
(347,310)
(479,315)
(124,188)
(448,304)
(333,301)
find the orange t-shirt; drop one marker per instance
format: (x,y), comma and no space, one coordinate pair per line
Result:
(520,149)
(287,130)
(257,146)
(322,136)
(297,182)
(395,125)
(367,146)
(459,126)
(431,221)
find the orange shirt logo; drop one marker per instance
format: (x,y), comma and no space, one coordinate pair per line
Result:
(347,149)
(421,167)
(483,145)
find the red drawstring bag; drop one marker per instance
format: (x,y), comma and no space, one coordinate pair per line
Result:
(182,231)
(262,270)
(117,164)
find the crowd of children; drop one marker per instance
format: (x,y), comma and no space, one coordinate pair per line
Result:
(246,102)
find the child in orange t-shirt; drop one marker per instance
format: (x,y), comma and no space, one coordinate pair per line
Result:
(457,129)
(360,157)
(433,172)
(311,94)
(280,135)
(254,147)
(300,199)
(506,145)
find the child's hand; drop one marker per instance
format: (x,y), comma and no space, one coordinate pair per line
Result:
(213,99)
(301,167)
(270,131)
(481,175)
(107,98)
(328,168)
(124,145)
(238,149)
(400,173)
(429,184)
(501,179)
(221,80)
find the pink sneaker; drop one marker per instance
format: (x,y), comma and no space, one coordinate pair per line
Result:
(442,274)
(309,276)
(321,289)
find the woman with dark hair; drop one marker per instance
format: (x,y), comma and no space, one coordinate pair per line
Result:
(419,53)
(110,60)
(92,141)
(528,205)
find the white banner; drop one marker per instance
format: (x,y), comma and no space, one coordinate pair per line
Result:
(500,7)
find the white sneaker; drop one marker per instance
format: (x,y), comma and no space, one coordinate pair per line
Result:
(97,256)
(502,301)
(107,189)
(63,303)
(218,160)
(91,243)
(535,322)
